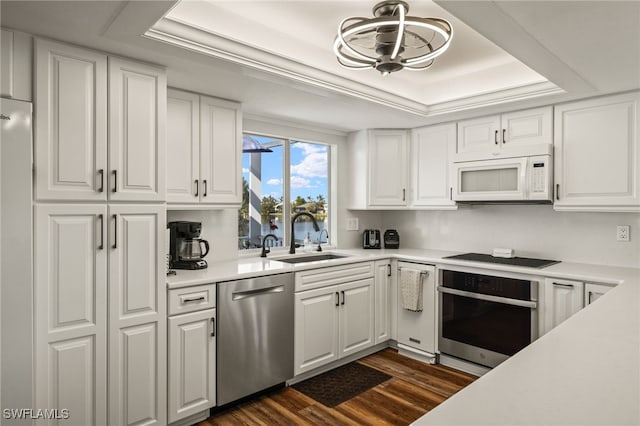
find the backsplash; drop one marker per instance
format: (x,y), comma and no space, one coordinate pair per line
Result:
(532,231)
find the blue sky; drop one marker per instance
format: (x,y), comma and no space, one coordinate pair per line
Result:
(308,169)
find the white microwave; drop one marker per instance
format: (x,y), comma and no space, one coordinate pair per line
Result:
(517,180)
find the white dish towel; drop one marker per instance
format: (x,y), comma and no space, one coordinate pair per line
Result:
(411,289)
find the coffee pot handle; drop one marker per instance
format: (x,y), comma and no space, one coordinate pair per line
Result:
(206,248)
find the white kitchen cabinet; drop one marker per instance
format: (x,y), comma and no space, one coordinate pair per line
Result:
(593,291)
(382,312)
(71,122)
(137,315)
(562,298)
(316,328)
(16,58)
(597,154)
(183,147)
(204,150)
(378,169)
(519,133)
(432,151)
(70,346)
(332,322)
(137,121)
(191,364)
(220,152)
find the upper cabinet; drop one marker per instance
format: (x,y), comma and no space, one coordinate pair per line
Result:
(597,154)
(137,120)
(74,158)
(204,150)
(432,151)
(527,132)
(378,172)
(16,56)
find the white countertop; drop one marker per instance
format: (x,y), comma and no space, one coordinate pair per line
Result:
(586,371)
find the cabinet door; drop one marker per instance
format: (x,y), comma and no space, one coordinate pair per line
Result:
(70,304)
(562,299)
(356,316)
(316,328)
(16,55)
(597,154)
(137,315)
(137,121)
(183,147)
(478,136)
(593,292)
(432,150)
(191,364)
(220,152)
(522,131)
(71,124)
(387,168)
(382,300)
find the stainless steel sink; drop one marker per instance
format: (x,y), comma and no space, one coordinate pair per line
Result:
(314,258)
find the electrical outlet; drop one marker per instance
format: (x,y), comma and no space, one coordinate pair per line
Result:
(353,224)
(622,233)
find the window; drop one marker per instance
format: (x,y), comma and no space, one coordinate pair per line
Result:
(295,171)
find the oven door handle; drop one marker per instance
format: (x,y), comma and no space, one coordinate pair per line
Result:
(489,298)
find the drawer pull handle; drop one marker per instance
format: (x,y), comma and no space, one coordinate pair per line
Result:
(194,299)
(563,285)
(411,339)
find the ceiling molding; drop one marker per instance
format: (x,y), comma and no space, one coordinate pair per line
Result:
(183,35)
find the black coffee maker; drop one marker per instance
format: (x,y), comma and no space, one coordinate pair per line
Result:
(187,250)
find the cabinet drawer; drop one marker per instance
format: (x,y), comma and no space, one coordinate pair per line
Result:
(316,278)
(190,299)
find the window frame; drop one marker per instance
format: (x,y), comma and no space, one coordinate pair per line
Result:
(286,191)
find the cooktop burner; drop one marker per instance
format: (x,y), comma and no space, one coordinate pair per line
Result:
(515,261)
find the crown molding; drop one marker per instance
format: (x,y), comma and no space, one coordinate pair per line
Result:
(186,36)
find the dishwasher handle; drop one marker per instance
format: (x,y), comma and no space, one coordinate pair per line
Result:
(239,295)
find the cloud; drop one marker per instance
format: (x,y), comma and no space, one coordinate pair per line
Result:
(245,170)
(300,182)
(312,165)
(309,148)
(274,181)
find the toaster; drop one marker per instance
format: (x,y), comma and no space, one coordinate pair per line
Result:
(371,239)
(391,239)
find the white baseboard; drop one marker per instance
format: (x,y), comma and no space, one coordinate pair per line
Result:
(192,419)
(416,354)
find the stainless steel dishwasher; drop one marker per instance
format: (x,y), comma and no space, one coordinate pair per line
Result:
(255,335)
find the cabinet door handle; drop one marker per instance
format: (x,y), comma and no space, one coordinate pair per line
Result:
(195,299)
(337,299)
(504,136)
(101,174)
(115,180)
(204,182)
(196,182)
(451,193)
(557,192)
(495,137)
(213,327)
(115,231)
(563,285)
(101,219)
(403,194)
(389,270)
(343,298)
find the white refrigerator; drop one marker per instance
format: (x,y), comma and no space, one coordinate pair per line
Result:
(16,257)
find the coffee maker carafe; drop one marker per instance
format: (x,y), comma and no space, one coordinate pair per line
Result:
(187,250)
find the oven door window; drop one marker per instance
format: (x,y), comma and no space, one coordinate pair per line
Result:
(494,326)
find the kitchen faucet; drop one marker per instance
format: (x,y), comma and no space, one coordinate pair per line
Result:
(266,250)
(320,238)
(292,245)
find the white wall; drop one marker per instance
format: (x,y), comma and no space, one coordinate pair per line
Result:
(531,230)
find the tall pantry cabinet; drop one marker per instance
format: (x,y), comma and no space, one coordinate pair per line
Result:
(99,236)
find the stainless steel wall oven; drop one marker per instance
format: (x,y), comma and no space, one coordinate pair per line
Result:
(486,318)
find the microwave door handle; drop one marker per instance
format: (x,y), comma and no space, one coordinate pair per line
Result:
(524,169)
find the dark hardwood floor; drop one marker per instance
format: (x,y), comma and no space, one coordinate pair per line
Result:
(414,389)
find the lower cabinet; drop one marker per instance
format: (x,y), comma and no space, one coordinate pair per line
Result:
(562,298)
(191,364)
(382,312)
(333,322)
(593,292)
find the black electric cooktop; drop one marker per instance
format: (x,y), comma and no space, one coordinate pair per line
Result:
(515,261)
